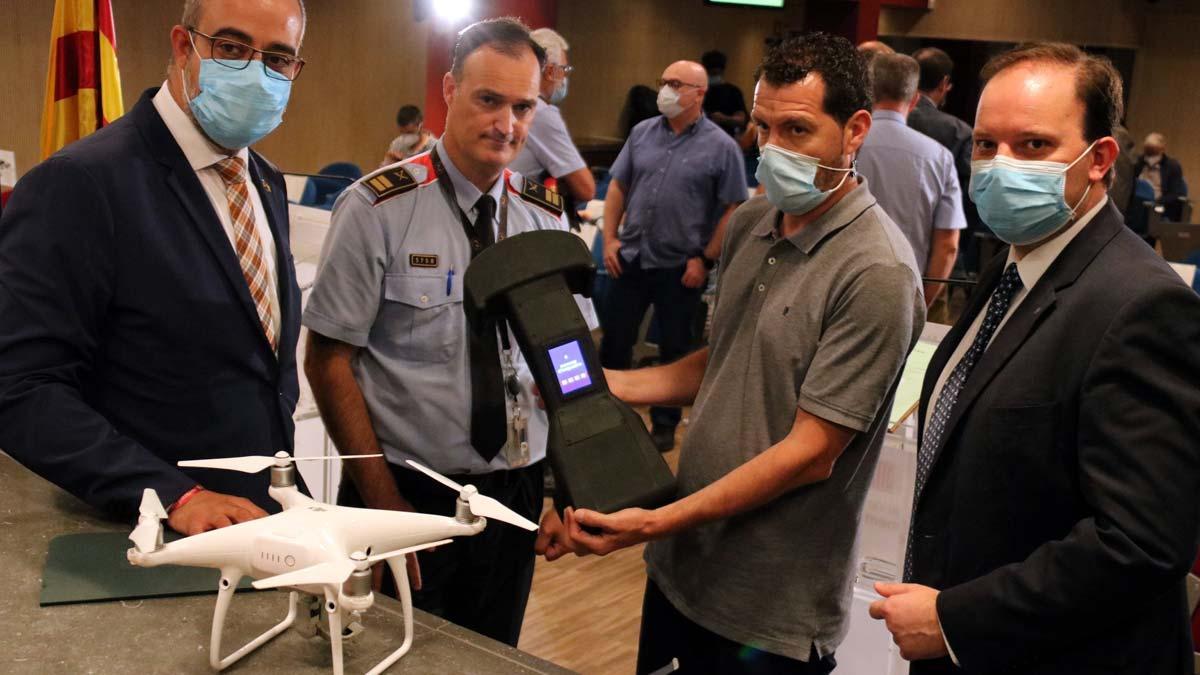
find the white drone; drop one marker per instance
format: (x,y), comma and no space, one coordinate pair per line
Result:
(319,549)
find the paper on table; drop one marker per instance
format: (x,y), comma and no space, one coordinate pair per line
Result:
(908,394)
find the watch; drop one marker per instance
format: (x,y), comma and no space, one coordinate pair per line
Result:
(709,263)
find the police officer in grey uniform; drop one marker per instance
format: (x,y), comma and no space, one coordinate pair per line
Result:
(394,368)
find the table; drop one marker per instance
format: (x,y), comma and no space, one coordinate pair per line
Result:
(170,635)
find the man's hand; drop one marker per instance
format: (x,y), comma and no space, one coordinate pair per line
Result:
(617,530)
(553,540)
(414,573)
(910,612)
(397,503)
(695,273)
(612,257)
(208,510)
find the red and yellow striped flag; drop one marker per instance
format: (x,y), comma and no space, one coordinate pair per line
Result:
(83,84)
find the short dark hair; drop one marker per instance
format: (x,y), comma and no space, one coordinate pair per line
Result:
(1097,84)
(506,35)
(834,58)
(712,60)
(893,78)
(409,114)
(936,66)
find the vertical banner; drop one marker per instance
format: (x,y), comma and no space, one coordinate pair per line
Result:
(83,83)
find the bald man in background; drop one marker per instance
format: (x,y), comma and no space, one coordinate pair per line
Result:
(682,176)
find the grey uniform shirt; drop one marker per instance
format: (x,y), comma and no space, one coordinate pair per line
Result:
(548,147)
(821,321)
(390,282)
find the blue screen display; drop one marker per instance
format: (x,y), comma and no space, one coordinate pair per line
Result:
(569,367)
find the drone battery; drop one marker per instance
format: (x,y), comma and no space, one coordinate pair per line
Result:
(599,450)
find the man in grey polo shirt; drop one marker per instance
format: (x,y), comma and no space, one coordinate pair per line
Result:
(819,303)
(673,187)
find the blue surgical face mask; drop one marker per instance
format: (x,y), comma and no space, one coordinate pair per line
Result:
(560,92)
(236,108)
(1023,201)
(789,179)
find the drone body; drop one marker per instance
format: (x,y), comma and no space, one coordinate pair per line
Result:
(314,548)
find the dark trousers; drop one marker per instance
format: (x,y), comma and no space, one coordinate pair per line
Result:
(480,582)
(675,306)
(667,634)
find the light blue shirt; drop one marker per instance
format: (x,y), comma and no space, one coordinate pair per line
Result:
(548,147)
(382,286)
(676,189)
(912,177)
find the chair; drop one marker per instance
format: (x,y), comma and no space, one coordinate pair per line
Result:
(1138,215)
(1179,241)
(323,192)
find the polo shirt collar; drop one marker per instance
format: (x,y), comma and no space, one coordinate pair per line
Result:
(464,190)
(858,200)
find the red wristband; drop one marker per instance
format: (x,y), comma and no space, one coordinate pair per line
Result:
(187,496)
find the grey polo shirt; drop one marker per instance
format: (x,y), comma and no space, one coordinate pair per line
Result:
(821,321)
(548,147)
(676,188)
(390,282)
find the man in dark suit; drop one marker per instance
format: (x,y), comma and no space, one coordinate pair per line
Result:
(927,117)
(1057,501)
(1164,173)
(150,304)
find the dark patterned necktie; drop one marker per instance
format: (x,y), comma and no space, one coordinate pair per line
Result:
(488,431)
(1010,283)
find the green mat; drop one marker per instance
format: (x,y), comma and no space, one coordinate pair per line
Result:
(91,567)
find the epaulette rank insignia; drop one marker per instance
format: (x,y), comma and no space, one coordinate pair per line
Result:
(389,183)
(542,196)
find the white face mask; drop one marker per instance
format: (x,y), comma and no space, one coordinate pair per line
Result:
(407,140)
(668,102)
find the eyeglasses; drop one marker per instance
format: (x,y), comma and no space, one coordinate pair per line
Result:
(566,70)
(675,84)
(238,55)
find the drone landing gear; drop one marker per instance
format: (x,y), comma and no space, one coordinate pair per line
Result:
(400,573)
(224,597)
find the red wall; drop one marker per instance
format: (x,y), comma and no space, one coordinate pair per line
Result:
(535,14)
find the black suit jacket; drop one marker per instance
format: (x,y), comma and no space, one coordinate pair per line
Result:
(946,129)
(1062,511)
(1170,183)
(129,339)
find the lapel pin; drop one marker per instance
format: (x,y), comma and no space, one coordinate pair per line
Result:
(265,185)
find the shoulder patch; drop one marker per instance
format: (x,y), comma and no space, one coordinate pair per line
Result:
(395,180)
(542,196)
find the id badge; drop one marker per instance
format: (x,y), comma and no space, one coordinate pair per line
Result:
(516,450)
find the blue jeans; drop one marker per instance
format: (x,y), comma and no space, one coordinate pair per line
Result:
(675,306)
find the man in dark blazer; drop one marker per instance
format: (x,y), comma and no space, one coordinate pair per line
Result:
(1154,163)
(149,301)
(927,117)
(1057,508)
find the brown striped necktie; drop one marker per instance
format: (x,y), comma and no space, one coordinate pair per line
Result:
(247,242)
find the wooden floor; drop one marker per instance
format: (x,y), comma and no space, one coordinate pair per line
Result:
(584,613)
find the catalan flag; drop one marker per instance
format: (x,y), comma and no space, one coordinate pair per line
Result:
(83,84)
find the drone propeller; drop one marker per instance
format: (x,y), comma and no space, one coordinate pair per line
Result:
(256,463)
(337,572)
(481,505)
(150,516)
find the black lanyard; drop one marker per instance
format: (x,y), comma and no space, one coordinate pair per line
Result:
(448,192)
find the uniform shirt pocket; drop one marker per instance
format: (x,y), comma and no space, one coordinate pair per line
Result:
(420,320)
